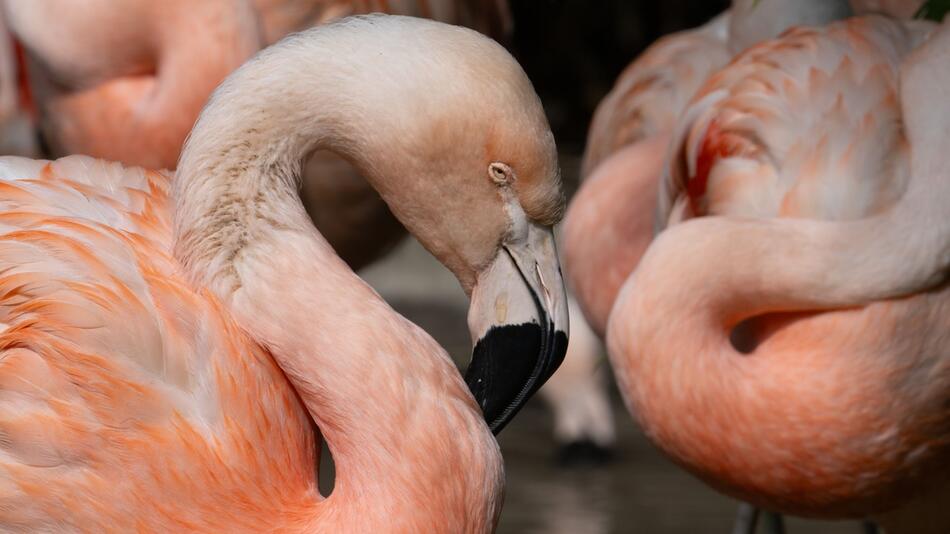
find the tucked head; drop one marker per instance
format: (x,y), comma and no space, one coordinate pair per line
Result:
(459,147)
(445,125)
(471,170)
(460,131)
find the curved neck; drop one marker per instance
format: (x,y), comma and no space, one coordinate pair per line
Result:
(701,278)
(609,225)
(409,443)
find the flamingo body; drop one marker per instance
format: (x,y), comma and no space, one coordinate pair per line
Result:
(149,412)
(774,134)
(834,413)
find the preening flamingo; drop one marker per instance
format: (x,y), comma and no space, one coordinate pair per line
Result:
(788,341)
(167,342)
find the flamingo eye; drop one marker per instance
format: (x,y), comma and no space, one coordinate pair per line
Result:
(500,173)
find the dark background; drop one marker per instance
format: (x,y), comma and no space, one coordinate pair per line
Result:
(573,50)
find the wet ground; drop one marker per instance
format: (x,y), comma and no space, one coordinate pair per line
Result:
(639,492)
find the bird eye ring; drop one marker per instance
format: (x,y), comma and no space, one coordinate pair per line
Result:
(500,173)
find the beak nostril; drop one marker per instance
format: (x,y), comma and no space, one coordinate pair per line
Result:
(544,285)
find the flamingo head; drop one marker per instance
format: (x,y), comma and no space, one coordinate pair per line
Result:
(472,172)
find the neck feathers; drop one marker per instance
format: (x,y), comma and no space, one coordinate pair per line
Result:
(391,405)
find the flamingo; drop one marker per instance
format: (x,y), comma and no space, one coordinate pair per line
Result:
(785,337)
(131,93)
(608,225)
(341,203)
(169,344)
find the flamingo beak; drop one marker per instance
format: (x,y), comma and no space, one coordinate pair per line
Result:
(518,320)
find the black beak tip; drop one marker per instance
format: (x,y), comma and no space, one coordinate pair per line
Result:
(509,364)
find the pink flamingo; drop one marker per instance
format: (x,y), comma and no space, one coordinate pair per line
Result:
(787,342)
(608,225)
(168,344)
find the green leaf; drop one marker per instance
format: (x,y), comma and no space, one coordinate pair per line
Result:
(933,10)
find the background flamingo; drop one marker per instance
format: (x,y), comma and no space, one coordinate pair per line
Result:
(133,400)
(833,413)
(608,224)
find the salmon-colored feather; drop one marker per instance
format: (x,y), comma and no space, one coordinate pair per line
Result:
(824,404)
(781,142)
(98,404)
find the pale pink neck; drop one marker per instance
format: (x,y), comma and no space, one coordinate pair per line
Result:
(412,451)
(408,442)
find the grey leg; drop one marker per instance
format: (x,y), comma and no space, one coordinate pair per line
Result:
(746,518)
(774,523)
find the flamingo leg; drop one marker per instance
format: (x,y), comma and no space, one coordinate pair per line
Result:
(869,527)
(774,523)
(747,519)
(747,516)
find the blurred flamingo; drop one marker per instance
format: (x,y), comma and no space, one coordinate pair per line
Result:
(786,337)
(166,343)
(609,224)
